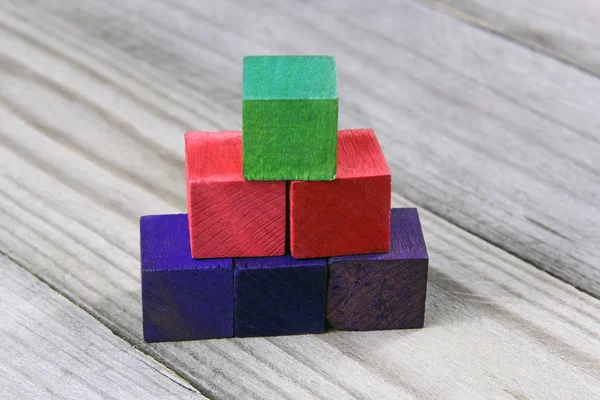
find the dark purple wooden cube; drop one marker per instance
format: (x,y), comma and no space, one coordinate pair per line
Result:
(279,296)
(182,298)
(382,290)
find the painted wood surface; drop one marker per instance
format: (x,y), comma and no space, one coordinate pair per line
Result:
(70,202)
(53,349)
(229,216)
(567,30)
(279,296)
(290,117)
(349,215)
(182,298)
(382,290)
(481,131)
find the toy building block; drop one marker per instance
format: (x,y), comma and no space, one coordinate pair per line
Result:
(279,296)
(229,216)
(182,298)
(382,291)
(351,214)
(290,117)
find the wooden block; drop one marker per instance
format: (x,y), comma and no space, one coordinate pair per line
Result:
(229,216)
(382,291)
(351,214)
(279,296)
(289,117)
(182,298)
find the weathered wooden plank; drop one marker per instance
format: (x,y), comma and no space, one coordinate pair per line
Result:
(70,204)
(486,133)
(567,30)
(53,349)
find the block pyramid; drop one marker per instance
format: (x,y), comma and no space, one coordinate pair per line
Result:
(288,223)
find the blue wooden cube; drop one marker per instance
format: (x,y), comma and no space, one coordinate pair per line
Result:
(279,296)
(382,290)
(182,298)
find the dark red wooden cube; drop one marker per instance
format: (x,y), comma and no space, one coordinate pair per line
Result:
(382,291)
(229,216)
(351,214)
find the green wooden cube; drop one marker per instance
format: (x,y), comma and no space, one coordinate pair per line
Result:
(290,118)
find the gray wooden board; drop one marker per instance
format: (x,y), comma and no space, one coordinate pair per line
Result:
(50,348)
(567,30)
(493,137)
(91,138)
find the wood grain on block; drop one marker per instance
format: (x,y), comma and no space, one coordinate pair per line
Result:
(290,117)
(229,216)
(182,298)
(279,296)
(382,291)
(351,214)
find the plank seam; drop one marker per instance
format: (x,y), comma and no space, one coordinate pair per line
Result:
(115,330)
(492,243)
(482,25)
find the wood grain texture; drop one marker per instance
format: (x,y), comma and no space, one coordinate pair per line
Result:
(349,215)
(53,349)
(568,31)
(386,290)
(290,117)
(229,216)
(491,320)
(182,298)
(279,296)
(488,134)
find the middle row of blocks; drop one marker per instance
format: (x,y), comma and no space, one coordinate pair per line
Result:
(232,217)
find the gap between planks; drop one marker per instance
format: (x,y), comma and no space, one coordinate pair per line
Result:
(537,40)
(42,327)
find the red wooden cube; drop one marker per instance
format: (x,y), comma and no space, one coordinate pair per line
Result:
(229,216)
(351,214)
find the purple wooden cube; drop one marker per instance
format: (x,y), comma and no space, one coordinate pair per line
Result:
(279,296)
(182,298)
(382,290)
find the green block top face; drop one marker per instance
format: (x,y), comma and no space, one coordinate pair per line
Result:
(289,78)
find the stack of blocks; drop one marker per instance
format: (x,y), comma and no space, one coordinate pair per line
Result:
(288,225)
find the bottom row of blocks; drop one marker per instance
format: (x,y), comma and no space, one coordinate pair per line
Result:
(186,299)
